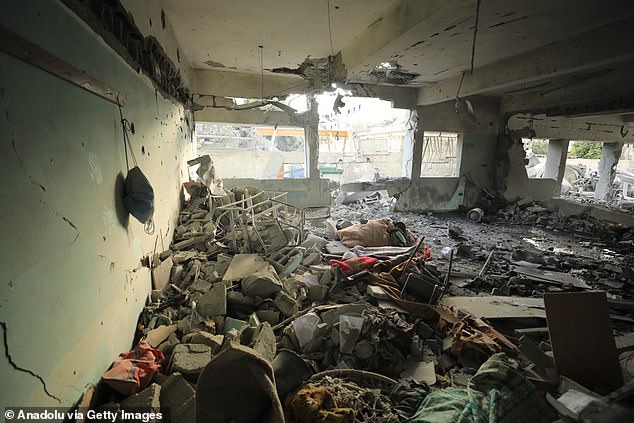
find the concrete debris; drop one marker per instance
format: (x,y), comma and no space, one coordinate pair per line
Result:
(178,399)
(190,360)
(148,399)
(261,284)
(214,302)
(358,313)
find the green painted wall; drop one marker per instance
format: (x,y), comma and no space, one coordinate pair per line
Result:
(71,287)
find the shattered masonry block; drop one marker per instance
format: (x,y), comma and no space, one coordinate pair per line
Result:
(268,315)
(201,286)
(261,284)
(264,342)
(178,398)
(285,303)
(190,359)
(204,338)
(148,399)
(214,302)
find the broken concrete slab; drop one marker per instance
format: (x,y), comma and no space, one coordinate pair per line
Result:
(178,399)
(349,330)
(497,307)
(161,274)
(243,265)
(261,284)
(201,286)
(148,399)
(264,342)
(304,327)
(159,334)
(551,277)
(190,359)
(214,302)
(268,315)
(176,391)
(205,338)
(285,303)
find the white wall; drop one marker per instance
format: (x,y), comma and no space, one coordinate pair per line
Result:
(71,288)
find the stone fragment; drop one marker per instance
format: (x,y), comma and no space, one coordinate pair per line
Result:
(177,274)
(238,298)
(287,305)
(264,342)
(349,331)
(317,342)
(190,359)
(214,302)
(268,315)
(178,399)
(261,284)
(205,338)
(148,400)
(201,286)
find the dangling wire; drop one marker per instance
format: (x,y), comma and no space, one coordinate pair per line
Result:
(475,33)
(125,124)
(332,50)
(148,226)
(261,73)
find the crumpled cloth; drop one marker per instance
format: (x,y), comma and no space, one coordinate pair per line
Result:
(354,265)
(498,393)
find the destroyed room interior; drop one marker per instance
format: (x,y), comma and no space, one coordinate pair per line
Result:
(307,211)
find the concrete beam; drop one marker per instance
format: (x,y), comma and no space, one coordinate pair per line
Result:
(401,97)
(247,117)
(595,89)
(445,118)
(573,129)
(596,49)
(246,84)
(401,23)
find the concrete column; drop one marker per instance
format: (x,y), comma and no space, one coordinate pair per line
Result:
(417,151)
(408,144)
(311,139)
(610,155)
(556,159)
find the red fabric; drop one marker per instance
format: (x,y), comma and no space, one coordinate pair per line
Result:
(354,265)
(133,371)
(427,254)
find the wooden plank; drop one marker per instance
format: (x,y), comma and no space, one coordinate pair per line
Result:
(582,339)
(498,307)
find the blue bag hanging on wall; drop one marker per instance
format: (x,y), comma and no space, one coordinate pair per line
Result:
(139,195)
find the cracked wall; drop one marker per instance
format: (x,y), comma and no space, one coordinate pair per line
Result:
(71,287)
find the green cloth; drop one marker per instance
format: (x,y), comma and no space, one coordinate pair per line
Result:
(496,393)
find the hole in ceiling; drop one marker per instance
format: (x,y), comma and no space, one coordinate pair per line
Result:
(163,18)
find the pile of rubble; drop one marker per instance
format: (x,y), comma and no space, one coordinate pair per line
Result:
(353,322)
